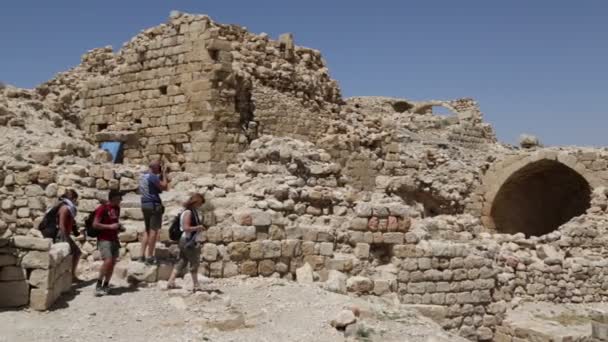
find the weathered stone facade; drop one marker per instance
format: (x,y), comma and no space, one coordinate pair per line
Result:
(195,92)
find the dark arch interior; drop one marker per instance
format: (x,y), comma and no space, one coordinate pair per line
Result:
(402,106)
(539,198)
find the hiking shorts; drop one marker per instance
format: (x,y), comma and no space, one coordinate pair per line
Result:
(153,216)
(74,249)
(188,256)
(108,249)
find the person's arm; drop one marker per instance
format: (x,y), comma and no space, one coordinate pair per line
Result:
(187,227)
(98,225)
(64,217)
(163,184)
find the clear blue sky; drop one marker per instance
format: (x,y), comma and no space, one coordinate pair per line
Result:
(535,66)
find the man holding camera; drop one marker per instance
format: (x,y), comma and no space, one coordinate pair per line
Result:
(151,184)
(107,221)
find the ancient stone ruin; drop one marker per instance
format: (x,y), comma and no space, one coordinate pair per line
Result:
(366,196)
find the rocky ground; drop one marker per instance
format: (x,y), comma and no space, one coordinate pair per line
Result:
(256,309)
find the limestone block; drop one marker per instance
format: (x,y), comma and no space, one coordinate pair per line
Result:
(140,272)
(238,251)
(359,223)
(359,284)
(12,273)
(249,268)
(336,282)
(14,293)
(209,252)
(244,233)
(304,274)
(7,260)
(36,260)
(363,209)
(42,279)
(361,250)
(29,242)
(291,248)
(272,249)
(58,252)
(382,286)
(326,248)
(393,238)
(135,250)
(266,267)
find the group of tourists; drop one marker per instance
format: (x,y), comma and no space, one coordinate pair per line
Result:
(59,223)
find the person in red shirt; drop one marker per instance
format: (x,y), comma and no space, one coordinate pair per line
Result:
(106,220)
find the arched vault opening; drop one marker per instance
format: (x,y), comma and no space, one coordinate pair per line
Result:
(540,197)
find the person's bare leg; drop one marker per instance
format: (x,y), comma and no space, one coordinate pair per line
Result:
(171,281)
(144,243)
(75,260)
(152,236)
(109,270)
(195,285)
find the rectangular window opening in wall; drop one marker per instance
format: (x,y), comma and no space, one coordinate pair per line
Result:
(196,126)
(381,252)
(163,90)
(214,54)
(102,127)
(115,148)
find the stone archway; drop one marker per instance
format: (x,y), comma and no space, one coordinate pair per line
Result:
(538,197)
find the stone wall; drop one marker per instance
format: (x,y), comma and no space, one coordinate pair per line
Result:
(34,272)
(195,92)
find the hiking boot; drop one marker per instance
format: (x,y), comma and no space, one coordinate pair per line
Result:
(99,291)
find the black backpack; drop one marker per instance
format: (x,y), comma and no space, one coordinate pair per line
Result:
(175,232)
(49,226)
(88,223)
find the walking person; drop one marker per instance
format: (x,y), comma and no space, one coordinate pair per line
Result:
(189,246)
(66,218)
(107,222)
(151,185)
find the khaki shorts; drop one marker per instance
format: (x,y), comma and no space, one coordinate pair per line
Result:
(153,216)
(188,256)
(108,249)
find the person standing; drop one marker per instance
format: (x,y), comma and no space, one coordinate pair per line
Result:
(107,222)
(189,246)
(66,218)
(151,185)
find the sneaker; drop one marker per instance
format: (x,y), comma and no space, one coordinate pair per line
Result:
(99,291)
(107,291)
(151,261)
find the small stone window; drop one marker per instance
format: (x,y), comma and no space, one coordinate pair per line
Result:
(137,121)
(163,90)
(382,252)
(102,127)
(214,54)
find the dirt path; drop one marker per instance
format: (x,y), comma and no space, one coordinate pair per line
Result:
(253,309)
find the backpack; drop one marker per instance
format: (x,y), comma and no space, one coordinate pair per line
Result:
(88,223)
(175,231)
(49,226)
